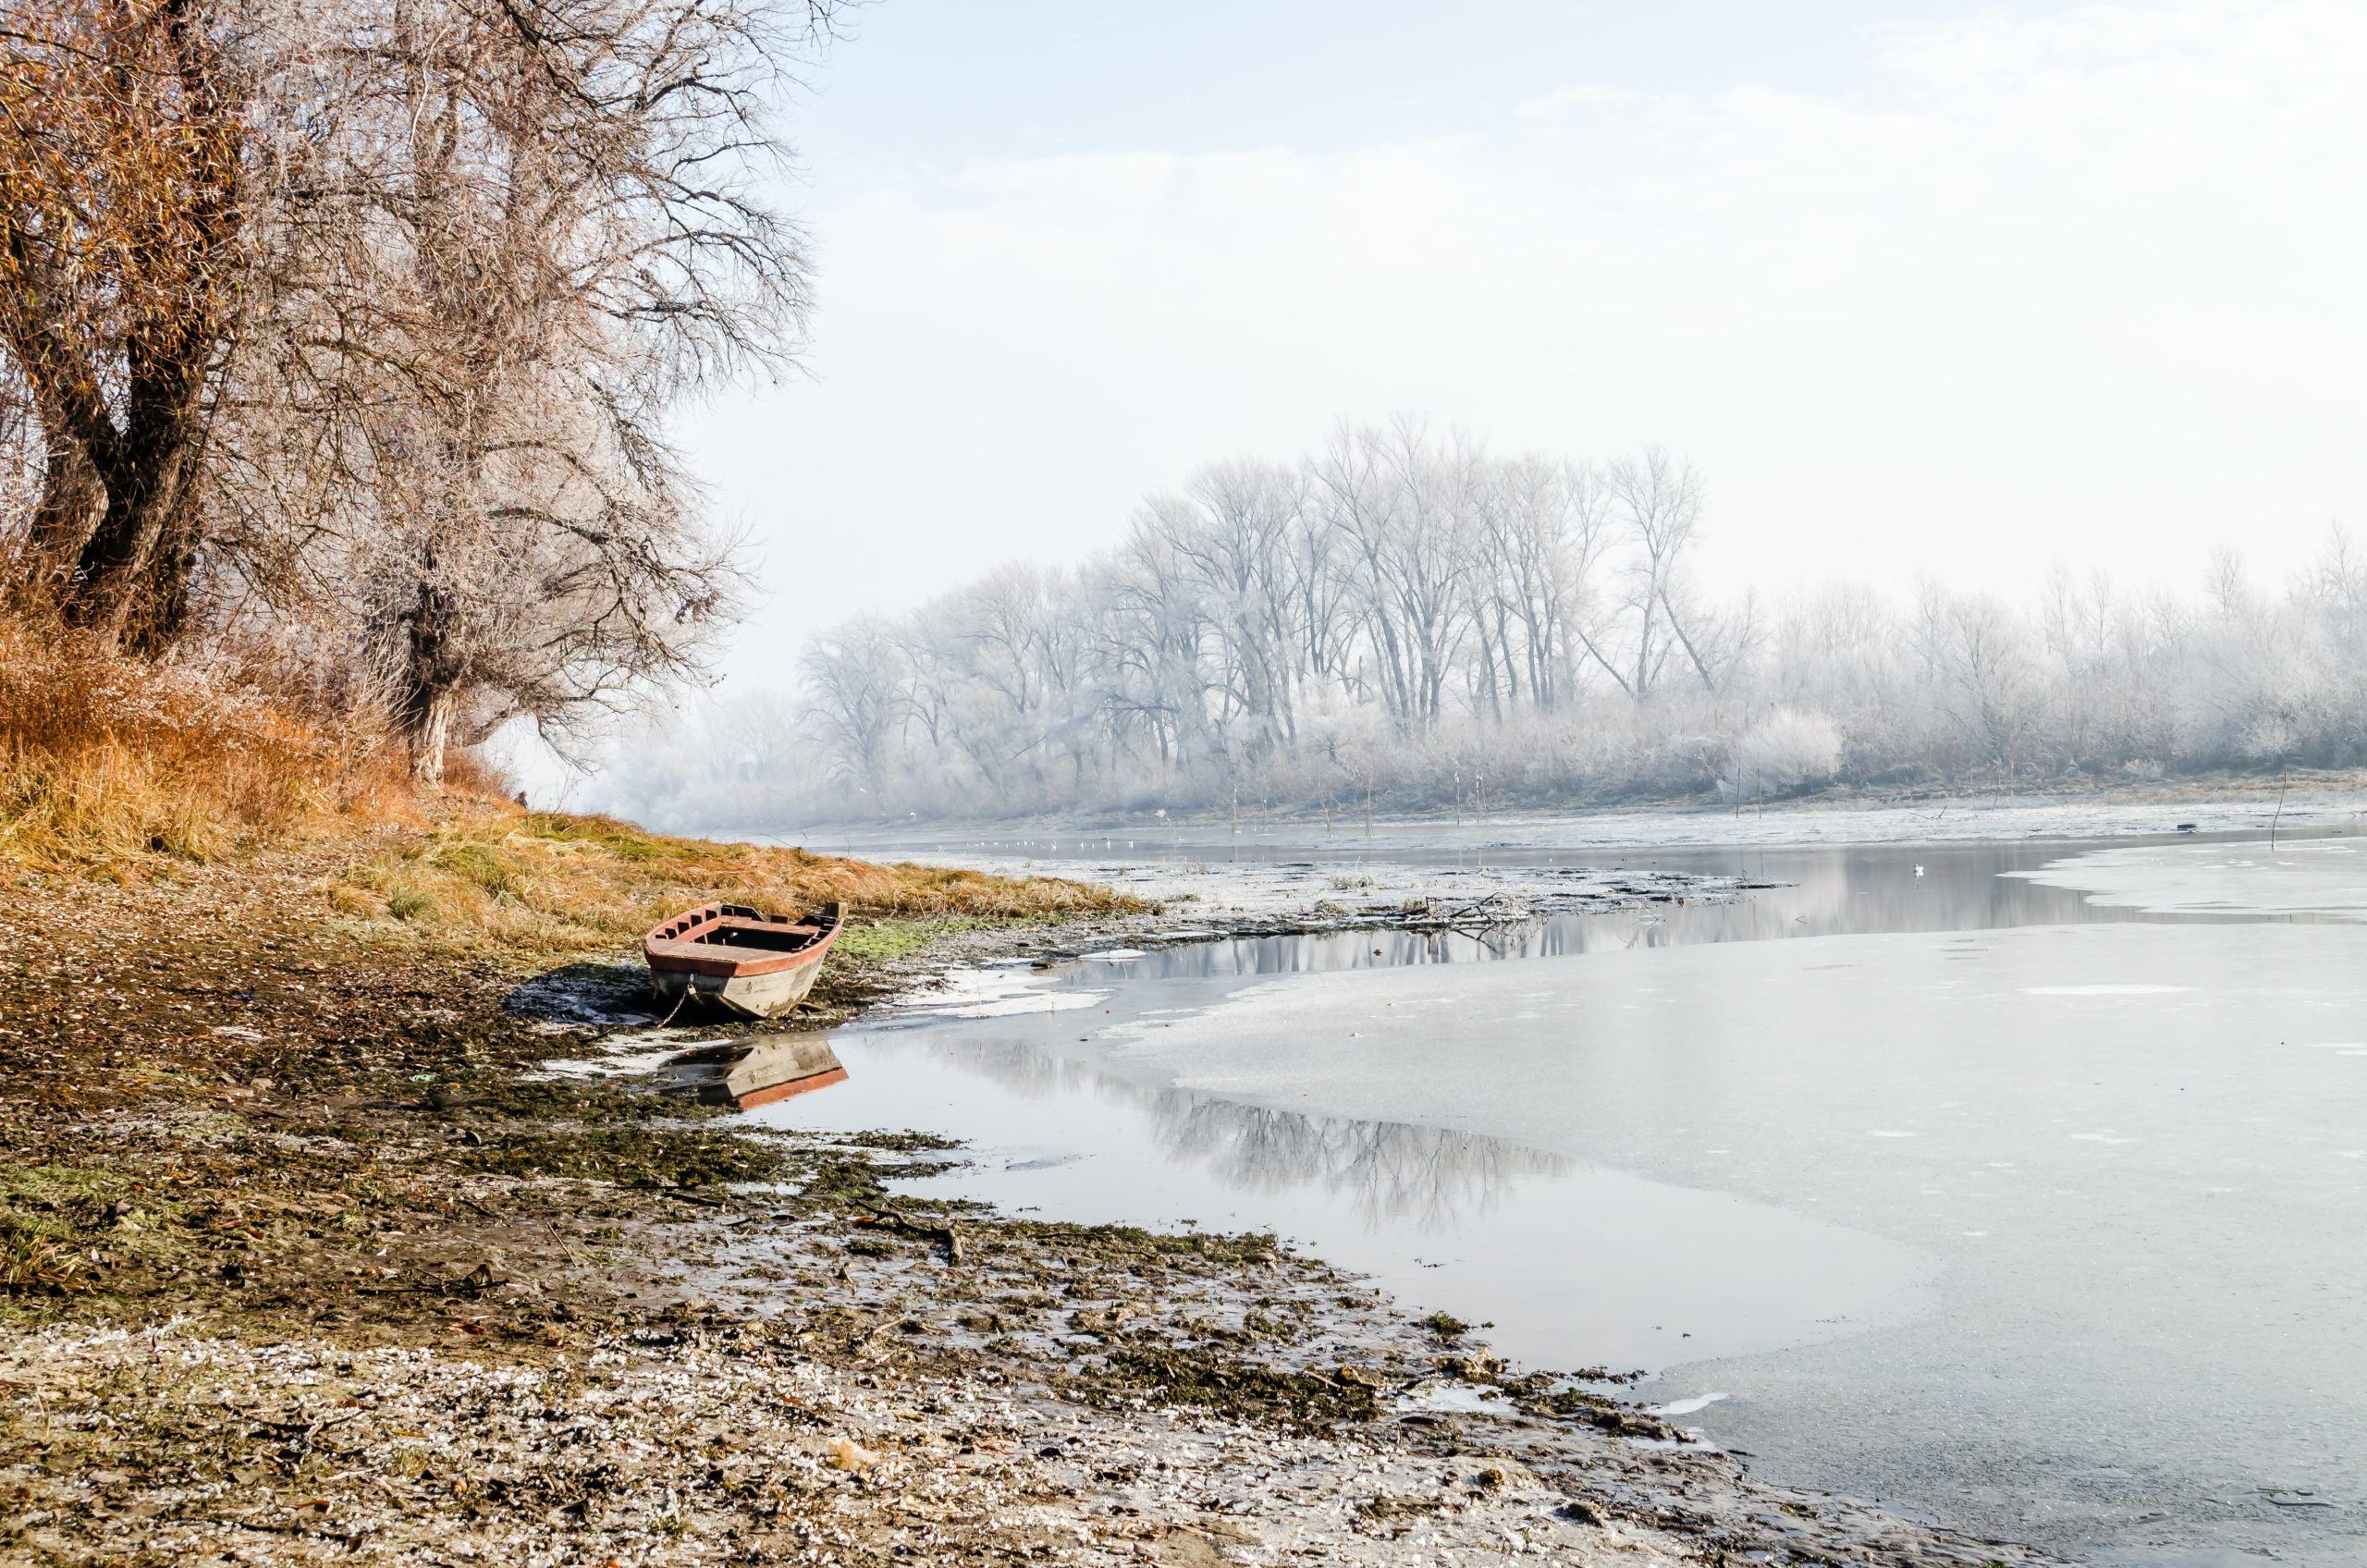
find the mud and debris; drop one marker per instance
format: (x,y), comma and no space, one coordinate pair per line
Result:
(1190,901)
(306,1255)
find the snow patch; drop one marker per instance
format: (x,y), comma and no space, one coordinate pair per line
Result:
(1686,1406)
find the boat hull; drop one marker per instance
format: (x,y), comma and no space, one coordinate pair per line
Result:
(743,996)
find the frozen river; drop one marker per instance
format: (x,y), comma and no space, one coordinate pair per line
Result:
(2022,1188)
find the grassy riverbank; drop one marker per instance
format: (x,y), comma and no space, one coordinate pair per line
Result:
(540,884)
(344,979)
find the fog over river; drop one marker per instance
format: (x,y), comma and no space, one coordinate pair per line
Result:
(2024,1188)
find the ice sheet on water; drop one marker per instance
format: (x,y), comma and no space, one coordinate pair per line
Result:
(1456,1398)
(2131,1144)
(996,992)
(2004,817)
(2324,877)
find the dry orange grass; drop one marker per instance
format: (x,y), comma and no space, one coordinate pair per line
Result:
(110,764)
(541,884)
(106,760)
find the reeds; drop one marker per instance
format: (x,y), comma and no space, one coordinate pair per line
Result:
(105,759)
(110,764)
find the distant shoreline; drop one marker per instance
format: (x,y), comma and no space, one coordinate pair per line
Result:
(2319,803)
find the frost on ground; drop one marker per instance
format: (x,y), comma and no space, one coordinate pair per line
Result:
(724,1446)
(1183,1401)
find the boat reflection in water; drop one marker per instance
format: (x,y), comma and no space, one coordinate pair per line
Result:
(746,1076)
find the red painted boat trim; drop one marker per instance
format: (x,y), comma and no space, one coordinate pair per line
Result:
(675,945)
(795,1086)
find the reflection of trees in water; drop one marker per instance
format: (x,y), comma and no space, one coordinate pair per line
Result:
(1387,1170)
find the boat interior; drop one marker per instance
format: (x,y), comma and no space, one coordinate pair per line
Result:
(735,925)
(734,933)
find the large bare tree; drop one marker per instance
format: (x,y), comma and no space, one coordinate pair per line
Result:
(123,180)
(376,316)
(564,233)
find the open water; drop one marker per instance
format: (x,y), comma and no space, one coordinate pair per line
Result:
(2022,1187)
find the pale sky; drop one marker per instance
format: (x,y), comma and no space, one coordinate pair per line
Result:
(1919,287)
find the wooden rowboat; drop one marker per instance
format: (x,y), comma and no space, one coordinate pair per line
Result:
(731,957)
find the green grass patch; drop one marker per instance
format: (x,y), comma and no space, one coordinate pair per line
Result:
(620,839)
(882,941)
(482,866)
(1300,1402)
(48,1213)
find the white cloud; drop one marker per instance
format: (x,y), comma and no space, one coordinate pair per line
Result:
(2082,287)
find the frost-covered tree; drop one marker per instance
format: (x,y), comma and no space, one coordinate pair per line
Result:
(1407,619)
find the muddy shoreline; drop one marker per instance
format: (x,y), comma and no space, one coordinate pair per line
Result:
(306,1260)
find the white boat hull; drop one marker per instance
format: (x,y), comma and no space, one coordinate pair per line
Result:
(748,996)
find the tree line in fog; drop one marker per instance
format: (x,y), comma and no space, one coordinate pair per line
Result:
(1405,620)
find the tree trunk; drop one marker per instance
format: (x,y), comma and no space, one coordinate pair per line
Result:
(113,534)
(132,580)
(73,502)
(434,674)
(121,271)
(432,737)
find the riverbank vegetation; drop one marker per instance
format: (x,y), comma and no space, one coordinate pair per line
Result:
(1409,619)
(108,760)
(109,764)
(338,356)
(492,877)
